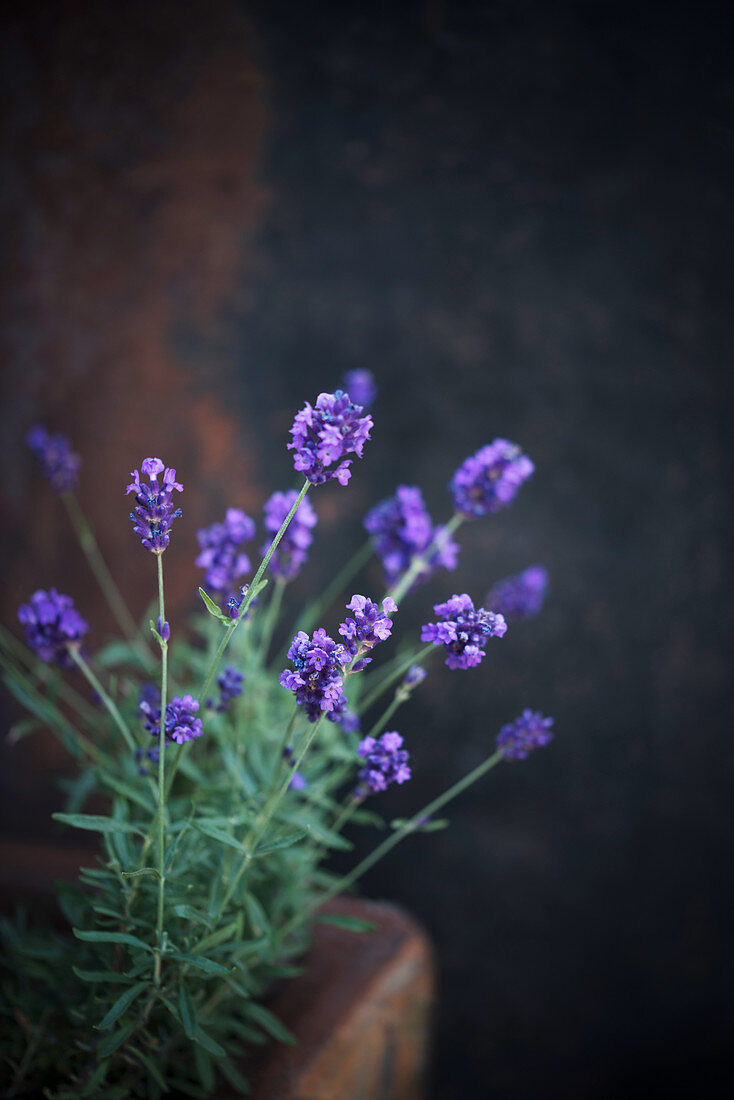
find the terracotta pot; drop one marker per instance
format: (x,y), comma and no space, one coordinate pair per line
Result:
(360,1010)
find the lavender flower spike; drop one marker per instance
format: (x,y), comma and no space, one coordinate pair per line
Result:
(530,731)
(463,631)
(360,385)
(154,512)
(52,624)
(181,723)
(316,677)
(368,626)
(325,433)
(402,529)
(290,553)
(230,684)
(386,762)
(490,479)
(222,554)
(522,595)
(56,458)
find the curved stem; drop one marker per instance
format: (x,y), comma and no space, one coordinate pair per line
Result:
(415,659)
(108,702)
(105,580)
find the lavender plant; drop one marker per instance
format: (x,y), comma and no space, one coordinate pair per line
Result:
(225,789)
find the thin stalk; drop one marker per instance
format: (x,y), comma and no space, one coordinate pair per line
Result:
(43,674)
(105,580)
(161,775)
(108,702)
(414,659)
(251,592)
(422,560)
(390,842)
(399,697)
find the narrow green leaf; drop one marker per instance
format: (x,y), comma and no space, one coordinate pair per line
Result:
(284,842)
(96,823)
(214,611)
(235,1078)
(221,936)
(207,966)
(187,1009)
(266,1020)
(111,937)
(121,1005)
(97,1078)
(351,924)
(209,1044)
(219,835)
(111,1042)
(107,977)
(204,1068)
(186,912)
(258,917)
(153,1070)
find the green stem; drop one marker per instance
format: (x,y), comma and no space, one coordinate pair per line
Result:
(105,580)
(341,580)
(161,775)
(400,697)
(419,563)
(251,592)
(389,843)
(108,702)
(414,659)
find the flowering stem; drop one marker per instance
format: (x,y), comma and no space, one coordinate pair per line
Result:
(324,602)
(161,772)
(399,697)
(111,592)
(110,705)
(251,592)
(389,843)
(422,560)
(402,668)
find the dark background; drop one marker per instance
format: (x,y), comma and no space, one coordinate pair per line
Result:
(518,215)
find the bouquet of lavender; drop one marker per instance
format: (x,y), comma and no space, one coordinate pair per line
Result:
(228,776)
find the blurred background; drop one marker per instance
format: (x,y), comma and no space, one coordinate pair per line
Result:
(518,216)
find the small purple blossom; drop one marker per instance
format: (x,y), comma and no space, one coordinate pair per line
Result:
(360,385)
(154,513)
(316,677)
(230,684)
(530,731)
(181,723)
(402,529)
(152,755)
(51,624)
(415,675)
(290,553)
(222,556)
(164,630)
(386,762)
(522,595)
(59,464)
(325,433)
(298,781)
(462,630)
(368,626)
(490,479)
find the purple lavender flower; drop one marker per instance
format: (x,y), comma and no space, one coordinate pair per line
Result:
(530,731)
(386,762)
(230,684)
(522,595)
(369,626)
(181,721)
(222,555)
(317,677)
(324,434)
(360,385)
(341,715)
(401,529)
(152,755)
(154,513)
(463,630)
(59,464)
(290,553)
(490,479)
(415,675)
(51,624)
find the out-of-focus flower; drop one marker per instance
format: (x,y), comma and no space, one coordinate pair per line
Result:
(522,595)
(360,385)
(386,762)
(58,462)
(51,624)
(222,556)
(402,529)
(290,553)
(490,479)
(530,731)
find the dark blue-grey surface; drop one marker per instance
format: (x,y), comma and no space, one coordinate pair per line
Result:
(518,215)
